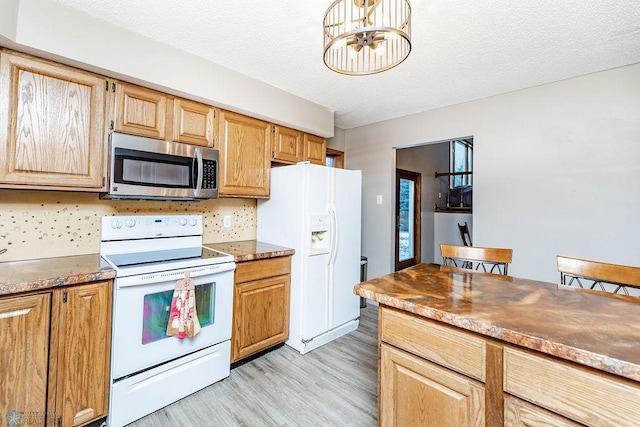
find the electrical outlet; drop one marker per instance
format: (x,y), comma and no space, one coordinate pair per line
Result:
(227,221)
(379,199)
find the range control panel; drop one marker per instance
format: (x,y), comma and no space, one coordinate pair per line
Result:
(125,227)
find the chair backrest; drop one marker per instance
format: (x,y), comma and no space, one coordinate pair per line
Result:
(492,260)
(464,234)
(598,275)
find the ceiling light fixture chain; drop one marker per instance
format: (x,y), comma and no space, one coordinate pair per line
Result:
(366,36)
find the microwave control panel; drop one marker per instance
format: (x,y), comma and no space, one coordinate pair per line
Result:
(209,177)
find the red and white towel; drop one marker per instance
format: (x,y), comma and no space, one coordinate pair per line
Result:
(183,319)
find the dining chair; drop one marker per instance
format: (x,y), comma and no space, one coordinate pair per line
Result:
(491,260)
(464,234)
(614,278)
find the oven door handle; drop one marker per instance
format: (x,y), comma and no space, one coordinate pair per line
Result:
(198,172)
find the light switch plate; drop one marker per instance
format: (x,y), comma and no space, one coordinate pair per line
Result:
(226,221)
(379,199)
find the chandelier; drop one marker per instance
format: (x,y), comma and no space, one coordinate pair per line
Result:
(366,36)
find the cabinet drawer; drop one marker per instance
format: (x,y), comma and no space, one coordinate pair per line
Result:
(446,346)
(518,413)
(263,268)
(575,393)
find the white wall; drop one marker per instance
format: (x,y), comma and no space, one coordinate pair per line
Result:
(426,160)
(445,225)
(338,140)
(556,171)
(57,32)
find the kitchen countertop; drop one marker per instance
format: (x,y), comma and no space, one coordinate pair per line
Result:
(42,274)
(591,328)
(250,250)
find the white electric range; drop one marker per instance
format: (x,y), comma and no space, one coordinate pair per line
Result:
(149,369)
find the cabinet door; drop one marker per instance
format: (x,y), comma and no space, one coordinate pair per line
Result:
(244,156)
(193,123)
(140,111)
(80,346)
(52,124)
(414,392)
(315,149)
(24,328)
(261,315)
(287,145)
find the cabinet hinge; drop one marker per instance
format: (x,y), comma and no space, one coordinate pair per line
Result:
(273,154)
(104,180)
(59,421)
(64,296)
(111,124)
(113,87)
(273,129)
(106,85)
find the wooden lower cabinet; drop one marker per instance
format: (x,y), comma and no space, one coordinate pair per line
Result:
(80,350)
(55,355)
(433,374)
(24,351)
(260,306)
(416,392)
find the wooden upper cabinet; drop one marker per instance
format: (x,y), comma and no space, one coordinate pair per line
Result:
(140,111)
(245,160)
(286,145)
(52,120)
(80,347)
(315,149)
(194,123)
(24,322)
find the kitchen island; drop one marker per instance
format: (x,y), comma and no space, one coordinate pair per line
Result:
(459,347)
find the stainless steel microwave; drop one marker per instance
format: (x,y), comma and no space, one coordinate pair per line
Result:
(145,168)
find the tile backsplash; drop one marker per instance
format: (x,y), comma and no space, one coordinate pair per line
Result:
(44,224)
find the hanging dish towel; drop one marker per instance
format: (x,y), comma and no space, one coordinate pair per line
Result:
(183,319)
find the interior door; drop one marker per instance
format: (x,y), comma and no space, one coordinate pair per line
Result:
(407,219)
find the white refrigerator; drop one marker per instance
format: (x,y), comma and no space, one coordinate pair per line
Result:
(316,210)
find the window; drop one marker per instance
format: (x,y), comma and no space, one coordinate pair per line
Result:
(461,162)
(334,158)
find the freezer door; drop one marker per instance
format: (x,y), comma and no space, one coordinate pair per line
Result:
(344,267)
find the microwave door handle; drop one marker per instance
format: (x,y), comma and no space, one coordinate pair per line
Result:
(198,171)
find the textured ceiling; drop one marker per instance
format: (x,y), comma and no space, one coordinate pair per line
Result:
(461,50)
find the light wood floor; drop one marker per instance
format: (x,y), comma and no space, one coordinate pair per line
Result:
(334,385)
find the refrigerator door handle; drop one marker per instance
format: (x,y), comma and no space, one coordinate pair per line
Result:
(334,235)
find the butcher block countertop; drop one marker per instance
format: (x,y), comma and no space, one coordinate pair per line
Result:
(591,328)
(41,274)
(250,250)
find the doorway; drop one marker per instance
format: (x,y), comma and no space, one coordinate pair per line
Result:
(407,244)
(433,161)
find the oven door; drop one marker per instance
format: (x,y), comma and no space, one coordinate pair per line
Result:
(141,313)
